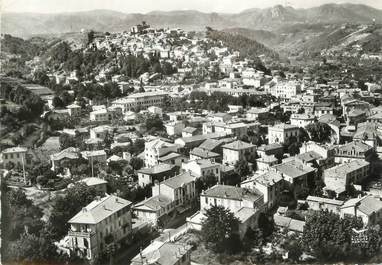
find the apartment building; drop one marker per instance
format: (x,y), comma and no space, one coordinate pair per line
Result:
(245,204)
(170,194)
(141,101)
(285,90)
(157,148)
(281,133)
(104,222)
(339,177)
(270,184)
(236,151)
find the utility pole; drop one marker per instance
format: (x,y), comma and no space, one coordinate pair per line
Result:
(22,161)
(92,164)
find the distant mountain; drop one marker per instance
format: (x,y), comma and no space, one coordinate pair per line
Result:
(26,24)
(312,39)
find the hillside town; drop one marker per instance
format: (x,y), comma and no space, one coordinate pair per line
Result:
(165,146)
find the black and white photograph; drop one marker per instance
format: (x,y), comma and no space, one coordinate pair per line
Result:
(190,132)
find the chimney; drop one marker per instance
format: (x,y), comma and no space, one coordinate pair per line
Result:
(84,210)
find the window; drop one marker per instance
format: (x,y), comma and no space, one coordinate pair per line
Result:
(206,200)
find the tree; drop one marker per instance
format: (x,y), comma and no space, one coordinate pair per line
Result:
(66,141)
(136,163)
(67,206)
(154,123)
(57,102)
(231,179)
(219,230)
(242,168)
(328,236)
(32,249)
(319,132)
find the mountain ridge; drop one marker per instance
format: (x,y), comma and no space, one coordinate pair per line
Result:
(27,24)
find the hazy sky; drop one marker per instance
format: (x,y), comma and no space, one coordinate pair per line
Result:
(144,6)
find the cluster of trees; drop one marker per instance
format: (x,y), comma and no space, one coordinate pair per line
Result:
(23,49)
(66,206)
(25,236)
(220,232)
(134,66)
(219,101)
(96,91)
(31,105)
(319,132)
(248,48)
(125,188)
(329,237)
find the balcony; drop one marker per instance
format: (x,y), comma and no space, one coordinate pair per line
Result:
(81,233)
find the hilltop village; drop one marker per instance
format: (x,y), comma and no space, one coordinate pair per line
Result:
(162,146)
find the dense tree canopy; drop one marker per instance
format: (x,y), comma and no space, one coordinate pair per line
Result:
(328,236)
(319,132)
(219,230)
(67,206)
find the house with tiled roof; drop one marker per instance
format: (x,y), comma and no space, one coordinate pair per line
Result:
(275,149)
(237,150)
(368,208)
(95,156)
(199,153)
(296,173)
(189,131)
(270,184)
(245,204)
(339,177)
(105,221)
(202,168)
(164,253)
(319,203)
(369,133)
(149,175)
(67,154)
(355,150)
(15,155)
(98,184)
(288,223)
(175,193)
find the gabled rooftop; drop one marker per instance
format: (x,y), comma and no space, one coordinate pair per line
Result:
(238,145)
(99,210)
(232,192)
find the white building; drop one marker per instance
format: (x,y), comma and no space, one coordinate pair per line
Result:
(170,194)
(301,120)
(15,155)
(202,168)
(270,184)
(246,204)
(156,149)
(103,222)
(281,133)
(141,101)
(236,151)
(285,90)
